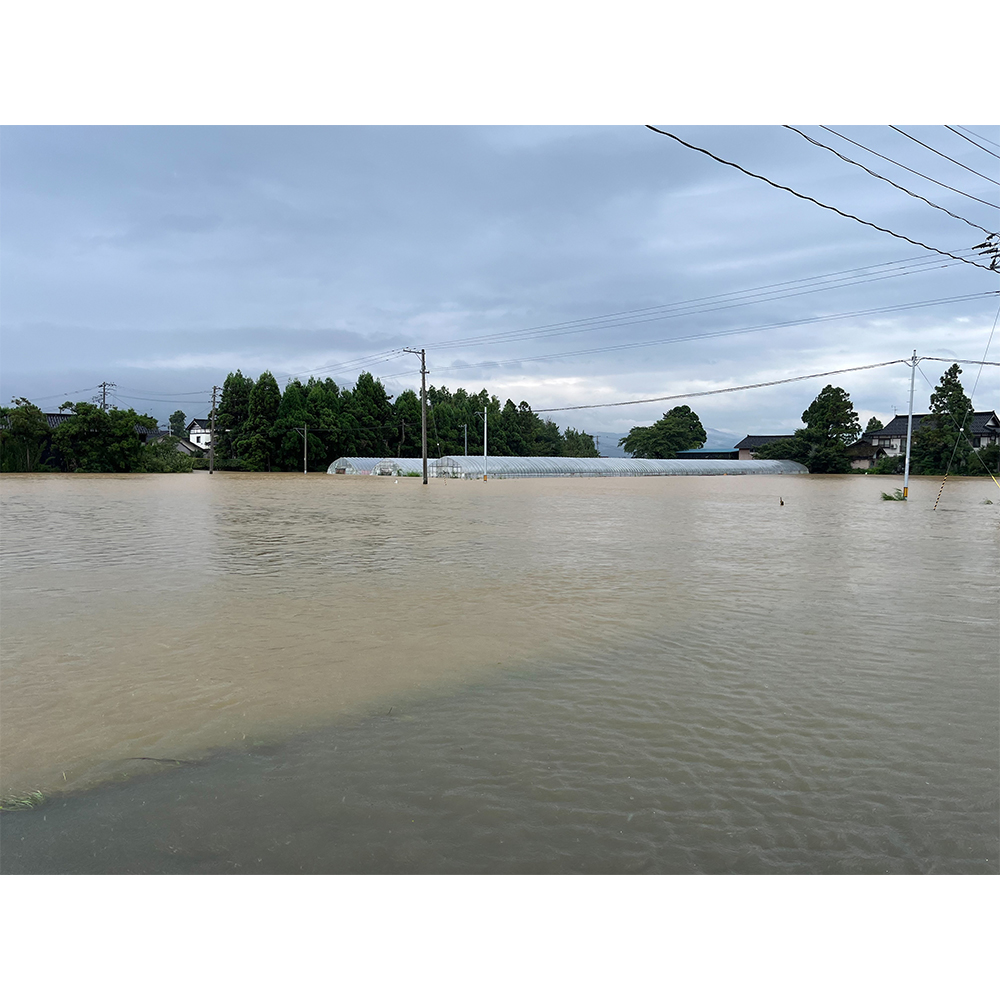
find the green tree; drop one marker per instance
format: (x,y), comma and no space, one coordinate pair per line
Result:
(821,446)
(231,420)
(163,456)
(98,440)
(259,445)
(369,418)
(677,430)
(405,433)
(942,442)
(576,444)
(177,424)
(874,424)
(24,436)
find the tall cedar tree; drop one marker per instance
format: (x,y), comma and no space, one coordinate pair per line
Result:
(259,439)
(231,420)
(821,446)
(942,442)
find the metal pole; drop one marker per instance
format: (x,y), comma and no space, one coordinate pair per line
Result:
(211,440)
(484,443)
(465,428)
(909,428)
(305,449)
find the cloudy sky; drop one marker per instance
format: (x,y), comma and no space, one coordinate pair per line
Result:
(562,266)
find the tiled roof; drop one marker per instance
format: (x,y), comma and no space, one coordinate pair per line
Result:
(897,426)
(752,441)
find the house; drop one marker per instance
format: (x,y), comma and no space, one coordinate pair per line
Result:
(863,454)
(892,437)
(752,442)
(200,432)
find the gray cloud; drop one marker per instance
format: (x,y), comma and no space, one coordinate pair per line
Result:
(162,257)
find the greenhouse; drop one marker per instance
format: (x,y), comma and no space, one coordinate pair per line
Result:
(506,467)
(378,467)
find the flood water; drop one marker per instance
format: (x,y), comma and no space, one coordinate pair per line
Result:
(354,674)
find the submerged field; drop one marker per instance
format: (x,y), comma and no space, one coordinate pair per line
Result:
(346,674)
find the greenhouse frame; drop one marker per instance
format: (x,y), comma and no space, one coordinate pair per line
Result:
(508,467)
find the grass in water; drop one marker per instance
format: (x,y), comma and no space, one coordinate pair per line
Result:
(898,495)
(14,803)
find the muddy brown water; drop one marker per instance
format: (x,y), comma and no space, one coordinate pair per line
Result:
(354,674)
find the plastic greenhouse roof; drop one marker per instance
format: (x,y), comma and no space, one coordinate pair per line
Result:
(472,467)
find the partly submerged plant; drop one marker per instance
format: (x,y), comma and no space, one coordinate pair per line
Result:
(898,495)
(14,803)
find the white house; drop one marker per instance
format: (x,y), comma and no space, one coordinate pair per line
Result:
(200,432)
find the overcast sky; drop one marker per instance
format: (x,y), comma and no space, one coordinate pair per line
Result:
(162,258)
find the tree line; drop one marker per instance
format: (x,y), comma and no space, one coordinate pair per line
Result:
(259,429)
(90,439)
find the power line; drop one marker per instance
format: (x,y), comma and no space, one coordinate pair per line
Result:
(978,136)
(805,197)
(712,335)
(910,169)
(715,392)
(973,141)
(675,311)
(963,361)
(945,155)
(898,187)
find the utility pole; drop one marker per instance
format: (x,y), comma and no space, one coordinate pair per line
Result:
(211,440)
(104,386)
(423,403)
(465,429)
(909,428)
(305,449)
(484,442)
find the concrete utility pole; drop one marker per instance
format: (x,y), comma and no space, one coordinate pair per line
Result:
(909,429)
(465,429)
(104,386)
(423,403)
(211,440)
(484,442)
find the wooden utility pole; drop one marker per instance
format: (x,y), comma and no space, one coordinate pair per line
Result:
(211,440)
(423,403)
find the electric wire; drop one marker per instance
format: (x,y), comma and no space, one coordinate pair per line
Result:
(978,136)
(675,311)
(716,392)
(705,336)
(945,155)
(805,197)
(903,267)
(899,187)
(881,156)
(973,141)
